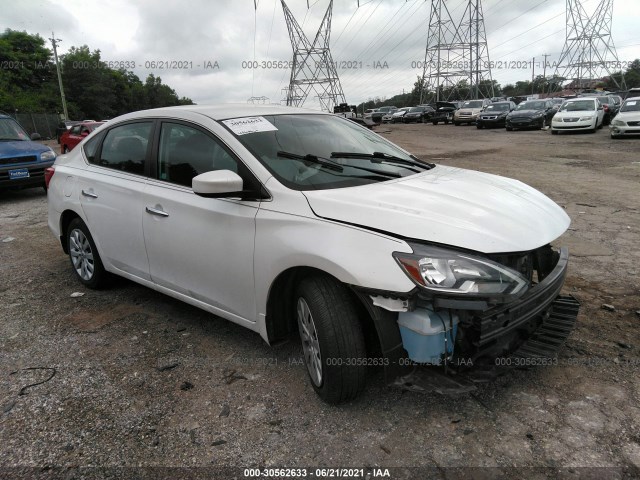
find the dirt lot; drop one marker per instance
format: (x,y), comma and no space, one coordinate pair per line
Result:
(140,379)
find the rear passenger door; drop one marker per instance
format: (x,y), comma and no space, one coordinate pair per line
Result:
(199,247)
(111,195)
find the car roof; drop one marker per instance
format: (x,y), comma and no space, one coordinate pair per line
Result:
(635,99)
(224,111)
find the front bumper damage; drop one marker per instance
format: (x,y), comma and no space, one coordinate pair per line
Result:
(490,340)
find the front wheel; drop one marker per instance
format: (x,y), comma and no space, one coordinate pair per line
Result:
(84,256)
(554,132)
(434,123)
(478,126)
(508,129)
(332,339)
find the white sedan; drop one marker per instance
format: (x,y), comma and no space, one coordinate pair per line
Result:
(585,114)
(287,221)
(627,121)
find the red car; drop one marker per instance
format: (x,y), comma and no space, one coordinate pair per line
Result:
(76,134)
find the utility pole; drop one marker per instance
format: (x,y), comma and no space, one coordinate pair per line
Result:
(54,42)
(533,75)
(544,72)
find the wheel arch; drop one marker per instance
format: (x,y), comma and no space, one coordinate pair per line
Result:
(281,322)
(65,219)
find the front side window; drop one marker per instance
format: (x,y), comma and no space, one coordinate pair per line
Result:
(186,152)
(317,152)
(125,147)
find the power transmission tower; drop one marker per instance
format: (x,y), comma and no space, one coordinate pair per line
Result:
(456,62)
(588,54)
(313,67)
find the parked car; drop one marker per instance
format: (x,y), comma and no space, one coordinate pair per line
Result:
(468,112)
(23,161)
(381,112)
(398,114)
(287,220)
(557,102)
(421,114)
(627,121)
(63,126)
(609,108)
(578,114)
(494,115)
(443,112)
(75,134)
(531,114)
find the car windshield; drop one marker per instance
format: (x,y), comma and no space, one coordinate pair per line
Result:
(10,131)
(497,107)
(578,105)
(307,152)
(631,106)
(531,106)
(472,104)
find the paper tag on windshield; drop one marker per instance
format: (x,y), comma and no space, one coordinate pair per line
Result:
(242,126)
(631,102)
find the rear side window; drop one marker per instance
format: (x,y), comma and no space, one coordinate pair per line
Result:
(185,152)
(90,148)
(125,147)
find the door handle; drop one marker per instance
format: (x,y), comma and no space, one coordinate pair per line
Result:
(89,194)
(155,211)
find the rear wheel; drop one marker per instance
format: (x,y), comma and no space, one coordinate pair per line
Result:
(332,339)
(84,256)
(508,129)
(435,123)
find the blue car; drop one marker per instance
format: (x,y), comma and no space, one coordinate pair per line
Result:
(22,161)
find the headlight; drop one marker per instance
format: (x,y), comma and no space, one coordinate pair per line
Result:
(50,155)
(449,272)
(538,114)
(587,118)
(618,123)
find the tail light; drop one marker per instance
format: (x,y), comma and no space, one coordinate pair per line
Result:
(48,174)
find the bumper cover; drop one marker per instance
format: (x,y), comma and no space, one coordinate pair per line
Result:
(35,178)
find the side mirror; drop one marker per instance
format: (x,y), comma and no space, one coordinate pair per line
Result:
(600,107)
(35,136)
(217,184)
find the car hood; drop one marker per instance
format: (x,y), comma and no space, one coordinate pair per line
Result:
(525,113)
(21,147)
(450,206)
(628,116)
(573,113)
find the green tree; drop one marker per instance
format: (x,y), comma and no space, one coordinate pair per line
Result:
(28,79)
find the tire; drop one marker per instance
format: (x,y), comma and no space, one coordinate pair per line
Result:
(434,123)
(64,149)
(84,256)
(456,124)
(508,129)
(446,122)
(615,137)
(554,132)
(331,339)
(478,126)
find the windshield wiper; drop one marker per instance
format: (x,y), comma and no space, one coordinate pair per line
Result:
(379,157)
(336,166)
(311,159)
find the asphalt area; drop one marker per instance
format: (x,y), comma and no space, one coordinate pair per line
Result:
(127,377)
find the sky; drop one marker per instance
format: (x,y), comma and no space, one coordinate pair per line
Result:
(378,45)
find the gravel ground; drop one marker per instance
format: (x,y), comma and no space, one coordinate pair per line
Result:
(127,377)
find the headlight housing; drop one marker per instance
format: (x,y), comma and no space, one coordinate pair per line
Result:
(618,123)
(48,155)
(587,118)
(450,272)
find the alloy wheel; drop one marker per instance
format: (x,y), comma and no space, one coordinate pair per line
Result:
(81,254)
(310,343)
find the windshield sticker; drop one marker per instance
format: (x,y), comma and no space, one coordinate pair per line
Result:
(242,126)
(632,103)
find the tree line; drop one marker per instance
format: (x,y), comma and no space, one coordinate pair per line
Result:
(29,82)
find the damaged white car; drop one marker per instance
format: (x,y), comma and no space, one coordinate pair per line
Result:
(287,220)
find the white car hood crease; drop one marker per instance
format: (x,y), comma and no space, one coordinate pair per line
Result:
(450,206)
